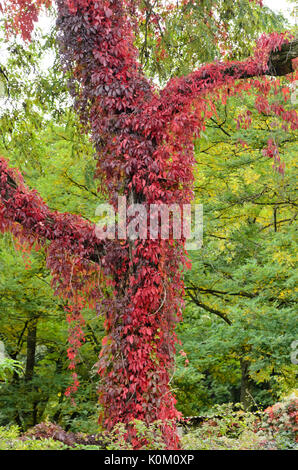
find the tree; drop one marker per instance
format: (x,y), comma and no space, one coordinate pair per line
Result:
(245,302)
(144,143)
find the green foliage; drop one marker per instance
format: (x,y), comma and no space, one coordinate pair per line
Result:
(150,435)
(280,423)
(227,429)
(41,135)
(174,40)
(10,440)
(240,316)
(230,419)
(247,441)
(8,367)
(52,437)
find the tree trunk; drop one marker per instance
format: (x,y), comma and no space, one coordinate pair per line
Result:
(245,392)
(30,417)
(31,350)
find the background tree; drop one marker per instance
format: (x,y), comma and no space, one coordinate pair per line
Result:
(245,303)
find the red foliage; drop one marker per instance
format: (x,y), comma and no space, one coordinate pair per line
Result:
(53,431)
(22,15)
(282,417)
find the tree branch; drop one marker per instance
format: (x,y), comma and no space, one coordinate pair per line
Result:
(27,209)
(222,293)
(209,309)
(178,92)
(280,62)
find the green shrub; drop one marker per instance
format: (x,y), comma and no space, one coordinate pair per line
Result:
(8,367)
(10,439)
(150,436)
(226,427)
(280,422)
(71,440)
(248,440)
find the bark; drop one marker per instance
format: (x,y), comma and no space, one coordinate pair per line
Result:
(245,391)
(280,62)
(31,350)
(203,80)
(29,415)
